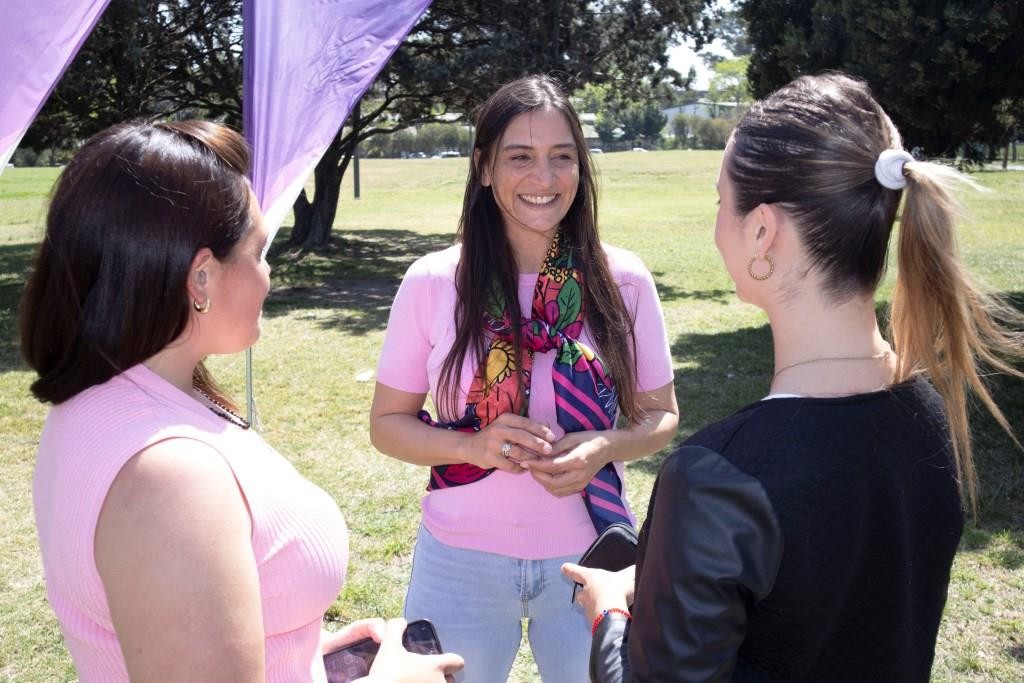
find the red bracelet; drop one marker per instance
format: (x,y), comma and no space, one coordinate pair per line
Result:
(600,617)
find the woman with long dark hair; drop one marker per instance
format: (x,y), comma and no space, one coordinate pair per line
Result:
(177,545)
(532,337)
(810,536)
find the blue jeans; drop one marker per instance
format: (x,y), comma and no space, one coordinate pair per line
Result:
(477,601)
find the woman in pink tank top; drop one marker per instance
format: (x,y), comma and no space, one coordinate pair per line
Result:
(177,545)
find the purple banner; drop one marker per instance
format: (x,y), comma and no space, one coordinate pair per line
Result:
(40,38)
(306,64)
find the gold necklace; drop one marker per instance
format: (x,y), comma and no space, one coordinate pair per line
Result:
(221,410)
(884,354)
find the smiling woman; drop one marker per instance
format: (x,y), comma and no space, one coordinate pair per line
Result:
(534,179)
(526,334)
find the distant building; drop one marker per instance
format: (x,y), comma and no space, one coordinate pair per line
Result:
(587,122)
(703,107)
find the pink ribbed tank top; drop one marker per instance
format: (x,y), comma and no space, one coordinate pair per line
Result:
(299,538)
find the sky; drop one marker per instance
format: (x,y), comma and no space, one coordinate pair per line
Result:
(682,57)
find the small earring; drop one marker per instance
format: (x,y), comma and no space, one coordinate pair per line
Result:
(201,308)
(771,268)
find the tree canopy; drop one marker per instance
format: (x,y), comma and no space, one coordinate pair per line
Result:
(729,84)
(945,70)
(183,57)
(148,58)
(460,52)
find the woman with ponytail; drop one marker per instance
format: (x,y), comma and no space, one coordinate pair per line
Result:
(531,336)
(810,536)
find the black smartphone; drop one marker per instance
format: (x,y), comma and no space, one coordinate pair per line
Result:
(613,550)
(354,661)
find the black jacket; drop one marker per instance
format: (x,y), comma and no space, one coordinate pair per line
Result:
(799,539)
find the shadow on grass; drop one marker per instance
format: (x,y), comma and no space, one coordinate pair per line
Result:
(355,278)
(1016,653)
(1000,464)
(15,260)
(668,293)
(352,282)
(722,372)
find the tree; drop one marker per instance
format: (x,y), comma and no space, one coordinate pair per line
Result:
(459,52)
(439,137)
(643,122)
(730,29)
(683,126)
(729,84)
(627,118)
(606,127)
(592,98)
(1011,118)
(148,58)
(182,57)
(940,68)
(711,133)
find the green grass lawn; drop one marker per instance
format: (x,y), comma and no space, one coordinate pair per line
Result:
(323,328)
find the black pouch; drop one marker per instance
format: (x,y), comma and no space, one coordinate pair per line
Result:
(613,550)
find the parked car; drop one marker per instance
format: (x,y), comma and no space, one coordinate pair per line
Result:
(596,150)
(450,154)
(639,149)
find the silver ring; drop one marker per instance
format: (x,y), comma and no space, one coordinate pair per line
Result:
(506,450)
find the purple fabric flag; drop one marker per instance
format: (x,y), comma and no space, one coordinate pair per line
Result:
(40,38)
(306,64)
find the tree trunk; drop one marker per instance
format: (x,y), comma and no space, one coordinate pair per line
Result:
(556,11)
(314,220)
(1006,155)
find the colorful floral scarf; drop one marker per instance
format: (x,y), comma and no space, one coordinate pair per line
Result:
(585,396)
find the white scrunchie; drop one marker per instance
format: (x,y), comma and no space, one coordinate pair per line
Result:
(889,168)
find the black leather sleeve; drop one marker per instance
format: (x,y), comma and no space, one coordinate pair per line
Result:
(713,548)
(609,661)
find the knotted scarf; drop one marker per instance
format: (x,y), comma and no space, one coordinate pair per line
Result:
(585,396)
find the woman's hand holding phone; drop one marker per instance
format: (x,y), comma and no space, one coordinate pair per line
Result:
(357,630)
(601,589)
(395,664)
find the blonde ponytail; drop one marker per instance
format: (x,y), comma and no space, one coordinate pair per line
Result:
(824,148)
(942,322)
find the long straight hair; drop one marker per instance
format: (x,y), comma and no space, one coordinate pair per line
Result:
(487,259)
(811,147)
(127,216)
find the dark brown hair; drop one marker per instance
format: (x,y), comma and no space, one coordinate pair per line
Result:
(126,218)
(487,257)
(811,148)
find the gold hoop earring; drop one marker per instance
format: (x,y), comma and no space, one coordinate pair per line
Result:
(201,308)
(771,268)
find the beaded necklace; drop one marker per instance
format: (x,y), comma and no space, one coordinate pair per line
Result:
(221,410)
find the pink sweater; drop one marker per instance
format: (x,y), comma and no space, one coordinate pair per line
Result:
(299,538)
(505,513)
